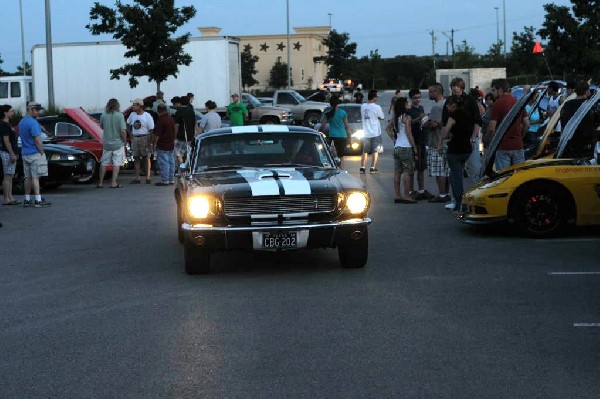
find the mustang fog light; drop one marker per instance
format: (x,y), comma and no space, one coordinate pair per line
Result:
(199,207)
(357,203)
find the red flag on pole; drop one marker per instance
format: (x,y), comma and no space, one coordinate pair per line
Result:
(537,48)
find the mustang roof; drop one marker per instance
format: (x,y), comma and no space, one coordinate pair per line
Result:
(257,129)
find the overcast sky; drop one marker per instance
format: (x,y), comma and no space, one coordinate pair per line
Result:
(396,27)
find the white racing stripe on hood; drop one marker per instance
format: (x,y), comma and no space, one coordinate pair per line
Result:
(295,184)
(259,187)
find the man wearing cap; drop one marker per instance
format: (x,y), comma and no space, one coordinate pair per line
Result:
(35,163)
(140,125)
(236,111)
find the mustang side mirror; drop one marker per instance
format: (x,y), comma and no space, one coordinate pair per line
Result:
(338,161)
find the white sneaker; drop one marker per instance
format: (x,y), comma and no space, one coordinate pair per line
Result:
(450,205)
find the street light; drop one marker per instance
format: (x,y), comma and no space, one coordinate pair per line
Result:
(289,75)
(22,38)
(504,17)
(497,27)
(49,57)
(330,14)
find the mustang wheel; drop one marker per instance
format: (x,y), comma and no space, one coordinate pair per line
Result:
(355,254)
(197,260)
(539,209)
(180,236)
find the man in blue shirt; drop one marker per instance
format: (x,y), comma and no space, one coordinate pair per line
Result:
(35,163)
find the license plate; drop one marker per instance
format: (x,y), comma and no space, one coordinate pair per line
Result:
(89,165)
(281,240)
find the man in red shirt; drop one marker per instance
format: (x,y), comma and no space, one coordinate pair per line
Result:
(164,142)
(510,151)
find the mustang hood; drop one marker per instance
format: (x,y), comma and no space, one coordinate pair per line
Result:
(251,182)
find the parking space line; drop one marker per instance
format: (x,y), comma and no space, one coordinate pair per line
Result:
(574,273)
(567,240)
(586,325)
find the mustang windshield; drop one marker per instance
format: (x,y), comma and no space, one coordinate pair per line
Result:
(256,150)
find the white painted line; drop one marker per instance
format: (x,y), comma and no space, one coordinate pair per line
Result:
(574,273)
(586,325)
(567,240)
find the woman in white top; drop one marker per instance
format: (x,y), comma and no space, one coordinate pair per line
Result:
(405,152)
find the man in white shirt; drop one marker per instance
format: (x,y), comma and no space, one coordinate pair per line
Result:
(140,125)
(371,115)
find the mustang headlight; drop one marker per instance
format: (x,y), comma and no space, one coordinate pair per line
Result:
(199,207)
(359,134)
(357,202)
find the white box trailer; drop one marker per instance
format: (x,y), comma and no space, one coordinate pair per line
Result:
(82,74)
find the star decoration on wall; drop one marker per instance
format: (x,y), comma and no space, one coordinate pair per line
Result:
(280,46)
(247,47)
(297,46)
(264,47)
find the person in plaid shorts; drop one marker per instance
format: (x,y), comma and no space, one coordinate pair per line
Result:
(437,163)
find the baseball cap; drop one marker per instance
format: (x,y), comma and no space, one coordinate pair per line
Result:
(138,101)
(35,105)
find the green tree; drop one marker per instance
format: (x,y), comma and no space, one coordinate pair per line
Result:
(278,75)
(248,62)
(339,53)
(522,60)
(573,38)
(1,62)
(464,56)
(146,28)
(495,55)
(27,69)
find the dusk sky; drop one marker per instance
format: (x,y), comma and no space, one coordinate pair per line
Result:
(393,27)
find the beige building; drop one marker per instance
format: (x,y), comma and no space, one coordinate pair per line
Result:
(306,57)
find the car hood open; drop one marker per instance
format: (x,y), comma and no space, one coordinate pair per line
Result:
(86,121)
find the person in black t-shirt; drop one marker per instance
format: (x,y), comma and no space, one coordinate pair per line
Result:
(582,143)
(8,153)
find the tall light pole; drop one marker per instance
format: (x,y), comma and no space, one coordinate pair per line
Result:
(49,56)
(504,18)
(497,27)
(22,38)
(330,14)
(289,75)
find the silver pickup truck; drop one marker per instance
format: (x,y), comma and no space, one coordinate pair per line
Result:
(305,112)
(259,113)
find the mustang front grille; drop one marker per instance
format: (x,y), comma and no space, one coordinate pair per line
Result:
(291,204)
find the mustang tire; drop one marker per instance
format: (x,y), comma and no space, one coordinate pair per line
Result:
(354,255)
(197,260)
(539,209)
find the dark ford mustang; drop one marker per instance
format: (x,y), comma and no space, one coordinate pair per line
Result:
(66,164)
(268,188)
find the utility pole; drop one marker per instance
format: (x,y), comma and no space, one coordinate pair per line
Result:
(289,74)
(451,37)
(49,56)
(433,40)
(330,14)
(497,28)
(504,17)
(23,43)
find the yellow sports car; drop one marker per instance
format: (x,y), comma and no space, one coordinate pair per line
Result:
(541,195)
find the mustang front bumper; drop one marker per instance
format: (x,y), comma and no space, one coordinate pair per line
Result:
(308,235)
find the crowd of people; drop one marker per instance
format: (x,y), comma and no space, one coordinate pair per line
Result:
(445,142)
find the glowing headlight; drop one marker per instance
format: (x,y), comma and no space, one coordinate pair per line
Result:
(357,203)
(199,207)
(359,134)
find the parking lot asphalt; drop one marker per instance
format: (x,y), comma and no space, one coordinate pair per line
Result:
(94,303)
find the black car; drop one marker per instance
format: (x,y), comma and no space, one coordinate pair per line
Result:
(66,164)
(268,188)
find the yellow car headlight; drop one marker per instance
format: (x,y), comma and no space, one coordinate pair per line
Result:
(199,207)
(357,203)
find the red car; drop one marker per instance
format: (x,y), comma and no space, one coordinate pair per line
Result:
(77,128)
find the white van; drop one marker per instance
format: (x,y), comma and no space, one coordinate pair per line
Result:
(16,91)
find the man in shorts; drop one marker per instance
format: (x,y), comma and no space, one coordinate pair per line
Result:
(140,125)
(114,138)
(437,163)
(35,164)
(371,115)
